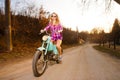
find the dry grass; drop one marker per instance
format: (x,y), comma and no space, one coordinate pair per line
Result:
(19,53)
(110,50)
(22,51)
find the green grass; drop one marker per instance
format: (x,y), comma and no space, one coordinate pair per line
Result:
(110,51)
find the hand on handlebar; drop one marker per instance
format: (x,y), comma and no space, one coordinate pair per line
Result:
(59,31)
(42,31)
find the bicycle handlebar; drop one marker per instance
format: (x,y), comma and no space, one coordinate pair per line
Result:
(43,32)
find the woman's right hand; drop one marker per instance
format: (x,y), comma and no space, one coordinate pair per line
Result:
(42,31)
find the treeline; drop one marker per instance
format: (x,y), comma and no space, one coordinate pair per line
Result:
(112,38)
(25,30)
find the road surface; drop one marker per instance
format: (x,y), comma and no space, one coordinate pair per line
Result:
(79,63)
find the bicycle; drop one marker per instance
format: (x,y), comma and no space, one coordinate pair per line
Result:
(47,52)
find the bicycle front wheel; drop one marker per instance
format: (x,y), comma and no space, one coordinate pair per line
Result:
(39,64)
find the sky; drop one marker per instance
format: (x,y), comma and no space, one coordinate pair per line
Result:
(73,13)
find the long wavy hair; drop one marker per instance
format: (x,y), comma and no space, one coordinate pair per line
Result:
(57,19)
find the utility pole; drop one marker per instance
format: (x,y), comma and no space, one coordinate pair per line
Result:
(8,26)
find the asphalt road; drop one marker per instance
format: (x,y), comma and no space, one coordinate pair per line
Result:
(79,63)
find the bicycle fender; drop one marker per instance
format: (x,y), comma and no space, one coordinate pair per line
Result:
(41,48)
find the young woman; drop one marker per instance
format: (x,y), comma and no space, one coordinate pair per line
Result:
(56,31)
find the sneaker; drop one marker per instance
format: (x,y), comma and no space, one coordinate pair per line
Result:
(60,59)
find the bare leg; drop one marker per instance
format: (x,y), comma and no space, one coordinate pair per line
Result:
(58,45)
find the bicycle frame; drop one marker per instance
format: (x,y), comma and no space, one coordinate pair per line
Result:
(44,54)
(49,47)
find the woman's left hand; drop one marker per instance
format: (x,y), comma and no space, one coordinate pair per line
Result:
(60,31)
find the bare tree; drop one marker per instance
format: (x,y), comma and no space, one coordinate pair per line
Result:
(8,25)
(118,1)
(107,1)
(86,3)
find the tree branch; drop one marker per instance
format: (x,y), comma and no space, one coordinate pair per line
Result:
(117,1)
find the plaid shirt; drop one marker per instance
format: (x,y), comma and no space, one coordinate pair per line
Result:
(54,31)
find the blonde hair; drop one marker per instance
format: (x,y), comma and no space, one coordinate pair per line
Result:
(57,19)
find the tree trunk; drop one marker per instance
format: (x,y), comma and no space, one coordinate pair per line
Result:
(8,26)
(103,43)
(115,43)
(100,43)
(109,44)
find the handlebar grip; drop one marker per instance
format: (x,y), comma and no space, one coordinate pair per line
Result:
(39,33)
